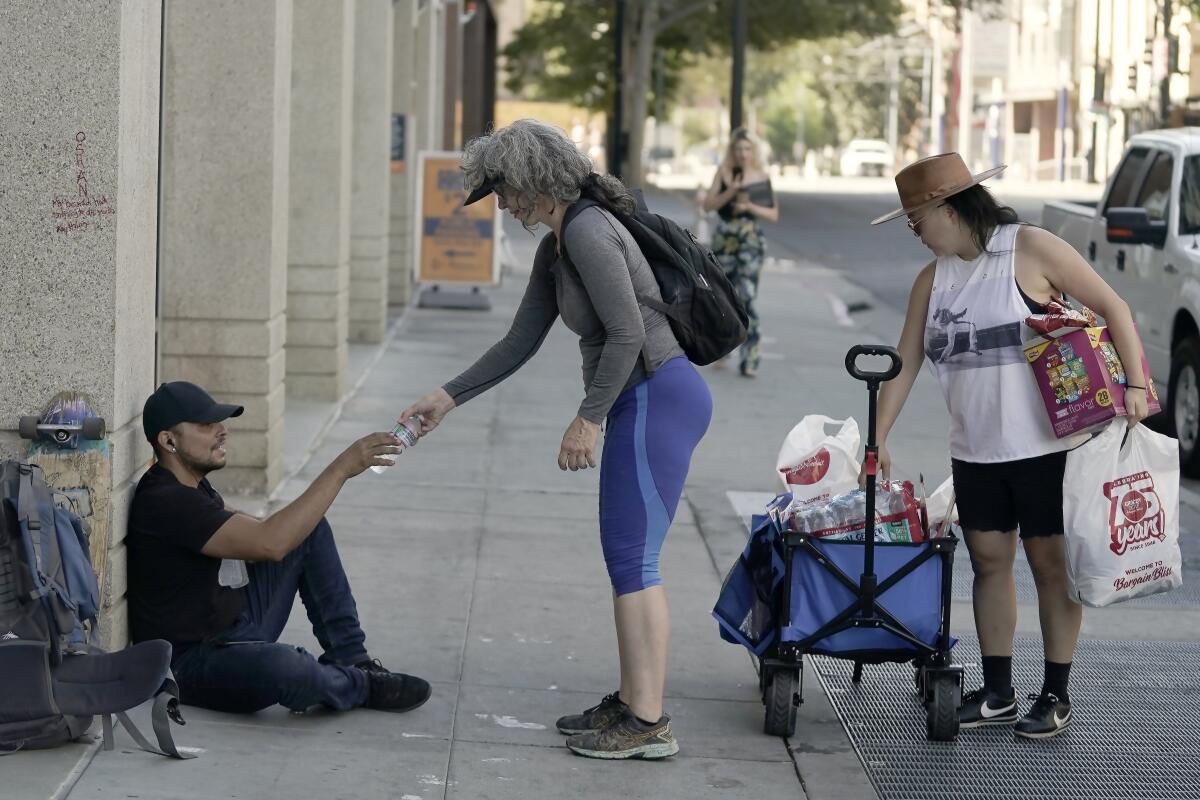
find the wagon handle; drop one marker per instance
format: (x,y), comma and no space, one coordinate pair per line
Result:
(875,378)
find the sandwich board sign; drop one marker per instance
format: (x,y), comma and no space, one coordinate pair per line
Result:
(456,245)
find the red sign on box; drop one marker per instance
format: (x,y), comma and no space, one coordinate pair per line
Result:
(1082,380)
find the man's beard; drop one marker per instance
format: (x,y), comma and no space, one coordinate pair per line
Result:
(200,468)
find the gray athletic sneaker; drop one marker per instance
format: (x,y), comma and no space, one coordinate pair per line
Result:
(598,716)
(626,737)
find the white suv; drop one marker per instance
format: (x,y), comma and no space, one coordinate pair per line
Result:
(1144,239)
(867,157)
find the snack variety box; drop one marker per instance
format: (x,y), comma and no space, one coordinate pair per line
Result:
(1082,380)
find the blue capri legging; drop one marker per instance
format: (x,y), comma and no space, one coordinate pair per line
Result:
(652,430)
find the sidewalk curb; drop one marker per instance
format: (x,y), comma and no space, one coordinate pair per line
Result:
(85,759)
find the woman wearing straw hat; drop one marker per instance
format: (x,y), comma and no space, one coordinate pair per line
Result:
(989,273)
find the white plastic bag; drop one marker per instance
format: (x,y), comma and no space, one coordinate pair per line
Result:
(1121,509)
(816,466)
(942,511)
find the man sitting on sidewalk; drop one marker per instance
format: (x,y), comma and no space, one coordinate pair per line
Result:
(188,583)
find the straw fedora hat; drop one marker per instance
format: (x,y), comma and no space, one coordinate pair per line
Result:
(929,180)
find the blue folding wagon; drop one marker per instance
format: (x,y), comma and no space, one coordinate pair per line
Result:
(866,602)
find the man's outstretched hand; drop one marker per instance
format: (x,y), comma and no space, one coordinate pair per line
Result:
(366,452)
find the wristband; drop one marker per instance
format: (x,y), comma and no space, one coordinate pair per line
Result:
(1131,386)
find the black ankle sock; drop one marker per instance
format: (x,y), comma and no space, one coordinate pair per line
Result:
(997,675)
(645,724)
(1055,683)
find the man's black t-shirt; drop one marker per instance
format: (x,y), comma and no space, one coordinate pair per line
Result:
(173,589)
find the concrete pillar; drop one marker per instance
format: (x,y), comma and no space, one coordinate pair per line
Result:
(318,305)
(452,76)
(224,218)
(404,171)
(417,95)
(79,155)
(370,196)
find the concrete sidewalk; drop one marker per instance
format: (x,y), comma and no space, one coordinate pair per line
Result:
(476,563)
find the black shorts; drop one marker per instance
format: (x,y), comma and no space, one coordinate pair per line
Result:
(1025,494)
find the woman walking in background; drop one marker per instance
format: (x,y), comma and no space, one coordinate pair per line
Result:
(741,194)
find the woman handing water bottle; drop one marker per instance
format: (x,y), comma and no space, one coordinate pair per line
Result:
(637,381)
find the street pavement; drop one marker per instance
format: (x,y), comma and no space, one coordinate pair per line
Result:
(476,564)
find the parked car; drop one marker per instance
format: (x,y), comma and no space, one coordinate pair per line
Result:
(659,160)
(867,157)
(1143,237)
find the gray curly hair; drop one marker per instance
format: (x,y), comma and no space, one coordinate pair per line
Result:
(532,160)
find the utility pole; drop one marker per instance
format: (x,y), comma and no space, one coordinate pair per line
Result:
(800,146)
(615,156)
(1164,86)
(739,63)
(1098,80)
(927,96)
(937,94)
(893,108)
(966,87)
(659,89)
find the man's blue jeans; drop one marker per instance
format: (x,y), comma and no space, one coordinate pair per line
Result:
(246,669)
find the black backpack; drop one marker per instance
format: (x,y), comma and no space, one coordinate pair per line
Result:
(54,680)
(705,314)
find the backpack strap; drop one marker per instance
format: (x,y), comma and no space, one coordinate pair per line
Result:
(571,213)
(164,712)
(628,223)
(29,517)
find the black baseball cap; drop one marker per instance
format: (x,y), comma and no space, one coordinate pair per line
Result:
(484,189)
(180,401)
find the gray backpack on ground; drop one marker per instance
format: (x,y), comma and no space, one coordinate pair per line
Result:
(55,680)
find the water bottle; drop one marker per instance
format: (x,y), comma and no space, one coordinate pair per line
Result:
(233,573)
(407,433)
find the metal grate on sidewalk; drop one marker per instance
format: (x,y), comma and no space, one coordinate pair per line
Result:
(1186,595)
(1135,734)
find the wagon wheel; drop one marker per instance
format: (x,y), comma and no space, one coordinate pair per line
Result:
(781,700)
(941,715)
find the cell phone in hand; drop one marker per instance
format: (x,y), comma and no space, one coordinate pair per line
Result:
(737,173)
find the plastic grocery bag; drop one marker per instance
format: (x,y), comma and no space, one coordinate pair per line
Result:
(942,511)
(816,466)
(1121,509)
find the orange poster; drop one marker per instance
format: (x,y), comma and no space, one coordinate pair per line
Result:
(455,244)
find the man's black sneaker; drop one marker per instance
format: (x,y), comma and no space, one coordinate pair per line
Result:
(598,716)
(393,691)
(627,737)
(1048,717)
(982,707)
(372,665)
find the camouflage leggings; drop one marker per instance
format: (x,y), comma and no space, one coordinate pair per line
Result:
(739,247)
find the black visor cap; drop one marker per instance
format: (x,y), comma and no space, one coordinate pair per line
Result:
(483,190)
(180,401)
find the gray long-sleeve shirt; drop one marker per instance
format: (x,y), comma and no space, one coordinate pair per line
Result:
(595,289)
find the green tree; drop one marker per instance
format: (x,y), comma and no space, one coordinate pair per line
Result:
(564,52)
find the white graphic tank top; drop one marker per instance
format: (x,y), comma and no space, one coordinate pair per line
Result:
(973,339)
